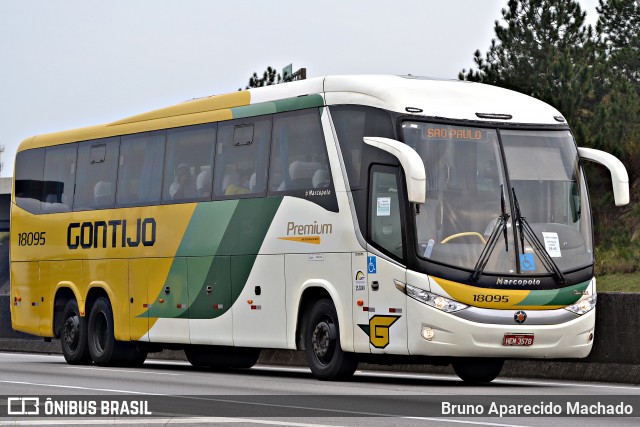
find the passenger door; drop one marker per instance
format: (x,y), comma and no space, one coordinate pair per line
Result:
(387,305)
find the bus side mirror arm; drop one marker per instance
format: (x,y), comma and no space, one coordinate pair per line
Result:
(619,176)
(411,163)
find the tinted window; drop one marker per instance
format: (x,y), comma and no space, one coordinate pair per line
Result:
(189,164)
(97,171)
(298,156)
(59,178)
(29,186)
(140,172)
(241,158)
(352,123)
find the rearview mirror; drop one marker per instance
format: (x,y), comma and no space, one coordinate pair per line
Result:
(411,163)
(619,176)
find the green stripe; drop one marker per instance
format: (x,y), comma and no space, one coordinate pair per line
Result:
(564,296)
(207,227)
(218,249)
(289,104)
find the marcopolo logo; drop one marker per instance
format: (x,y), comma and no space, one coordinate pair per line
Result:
(518,282)
(113,233)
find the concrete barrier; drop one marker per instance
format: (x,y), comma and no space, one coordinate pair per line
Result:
(615,356)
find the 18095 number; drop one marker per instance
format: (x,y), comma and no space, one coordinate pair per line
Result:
(32,239)
(490,298)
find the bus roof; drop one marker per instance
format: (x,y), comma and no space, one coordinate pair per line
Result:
(418,96)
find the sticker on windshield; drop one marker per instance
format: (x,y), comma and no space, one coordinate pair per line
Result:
(552,244)
(527,262)
(383,206)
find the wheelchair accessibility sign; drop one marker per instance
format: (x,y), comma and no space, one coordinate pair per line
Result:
(527,262)
(371,265)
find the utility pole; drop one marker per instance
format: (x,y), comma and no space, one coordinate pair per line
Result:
(1,162)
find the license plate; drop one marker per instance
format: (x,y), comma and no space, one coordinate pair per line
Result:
(517,339)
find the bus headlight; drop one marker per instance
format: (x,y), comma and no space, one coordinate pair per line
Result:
(584,305)
(437,301)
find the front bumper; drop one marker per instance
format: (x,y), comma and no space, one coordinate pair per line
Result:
(459,337)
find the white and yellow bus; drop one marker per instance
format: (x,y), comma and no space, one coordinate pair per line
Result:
(360,218)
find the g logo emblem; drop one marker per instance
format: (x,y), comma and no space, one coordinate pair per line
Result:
(520,317)
(378,329)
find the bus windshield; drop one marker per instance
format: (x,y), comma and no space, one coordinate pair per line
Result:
(481,182)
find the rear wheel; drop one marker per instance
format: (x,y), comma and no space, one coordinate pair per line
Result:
(478,370)
(73,335)
(322,343)
(219,357)
(103,347)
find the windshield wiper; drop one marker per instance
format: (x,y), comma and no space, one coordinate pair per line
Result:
(525,230)
(501,225)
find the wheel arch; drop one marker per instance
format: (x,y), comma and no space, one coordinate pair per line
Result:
(99,289)
(311,292)
(65,291)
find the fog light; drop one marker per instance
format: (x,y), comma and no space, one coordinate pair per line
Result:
(590,336)
(428,333)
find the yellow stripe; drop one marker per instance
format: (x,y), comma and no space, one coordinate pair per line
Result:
(207,110)
(314,240)
(488,298)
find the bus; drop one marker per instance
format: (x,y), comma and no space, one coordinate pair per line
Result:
(381,219)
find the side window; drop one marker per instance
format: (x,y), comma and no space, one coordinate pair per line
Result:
(59,178)
(298,155)
(352,123)
(29,185)
(385,220)
(188,169)
(97,171)
(241,157)
(140,169)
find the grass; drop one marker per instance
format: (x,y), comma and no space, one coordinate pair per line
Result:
(621,282)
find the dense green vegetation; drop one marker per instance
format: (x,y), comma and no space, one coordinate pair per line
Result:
(592,75)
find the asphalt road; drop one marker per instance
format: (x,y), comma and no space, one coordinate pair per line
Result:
(176,393)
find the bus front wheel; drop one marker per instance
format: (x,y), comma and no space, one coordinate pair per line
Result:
(478,370)
(73,335)
(103,347)
(322,343)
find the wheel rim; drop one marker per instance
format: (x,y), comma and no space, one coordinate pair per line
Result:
(100,333)
(71,332)
(323,340)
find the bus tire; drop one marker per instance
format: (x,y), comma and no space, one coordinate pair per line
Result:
(220,357)
(73,335)
(322,344)
(133,355)
(478,370)
(103,347)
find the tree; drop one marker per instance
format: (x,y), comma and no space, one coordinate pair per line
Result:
(269,77)
(543,49)
(618,83)
(619,30)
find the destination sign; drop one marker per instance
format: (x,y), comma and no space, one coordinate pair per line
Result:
(451,133)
